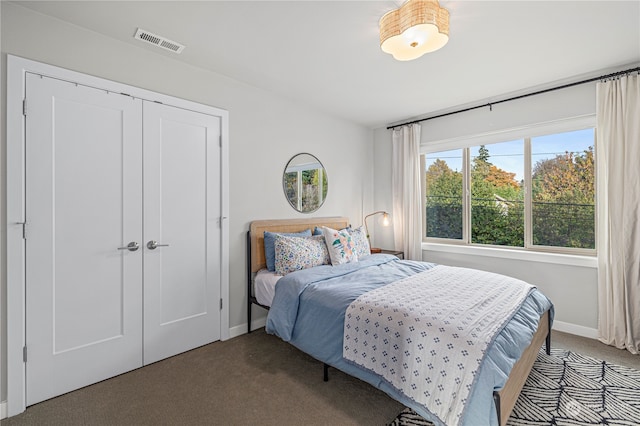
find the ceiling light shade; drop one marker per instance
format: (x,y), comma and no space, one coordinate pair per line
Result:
(416,28)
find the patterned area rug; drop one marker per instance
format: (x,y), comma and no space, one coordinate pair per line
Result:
(567,388)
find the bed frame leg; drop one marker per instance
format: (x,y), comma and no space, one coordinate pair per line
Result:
(547,343)
(326,373)
(496,400)
(249,282)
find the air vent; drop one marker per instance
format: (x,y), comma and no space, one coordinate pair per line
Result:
(159,41)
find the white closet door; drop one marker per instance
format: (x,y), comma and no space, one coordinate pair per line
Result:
(83,192)
(181,214)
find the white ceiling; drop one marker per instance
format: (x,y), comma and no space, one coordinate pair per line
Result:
(326,53)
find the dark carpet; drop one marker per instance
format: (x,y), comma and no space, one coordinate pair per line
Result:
(258,379)
(254,379)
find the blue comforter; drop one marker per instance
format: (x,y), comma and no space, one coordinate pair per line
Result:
(308,311)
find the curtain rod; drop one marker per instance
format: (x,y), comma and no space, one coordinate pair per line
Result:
(539,92)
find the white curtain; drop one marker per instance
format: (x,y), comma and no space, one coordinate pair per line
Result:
(407,205)
(618,192)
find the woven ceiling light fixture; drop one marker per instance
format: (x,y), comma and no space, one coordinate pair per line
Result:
(416,28)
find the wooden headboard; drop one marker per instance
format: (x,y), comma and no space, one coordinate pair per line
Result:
(257,228)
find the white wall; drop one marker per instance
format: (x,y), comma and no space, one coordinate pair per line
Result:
(265,131)
(573,286)
(381,236)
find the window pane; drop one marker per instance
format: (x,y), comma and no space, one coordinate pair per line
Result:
(497,203)
(563,190)
(291,188)
(444,194)
(314,188)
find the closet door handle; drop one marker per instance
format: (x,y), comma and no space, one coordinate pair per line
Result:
(132,246)
(151,245)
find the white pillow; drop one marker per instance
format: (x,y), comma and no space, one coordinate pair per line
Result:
(340,245)
(361,241)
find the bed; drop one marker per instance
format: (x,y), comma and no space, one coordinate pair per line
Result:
(315,322)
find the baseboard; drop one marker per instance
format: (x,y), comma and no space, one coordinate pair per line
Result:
(3,410)
(242,328)
(578,330)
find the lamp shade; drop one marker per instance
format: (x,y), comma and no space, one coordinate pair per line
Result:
(416,28)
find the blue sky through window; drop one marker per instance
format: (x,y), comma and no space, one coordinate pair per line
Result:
(509,156)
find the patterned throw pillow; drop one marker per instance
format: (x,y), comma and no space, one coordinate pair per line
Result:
(295,253)
(361,241)
(269,241)
(340,245)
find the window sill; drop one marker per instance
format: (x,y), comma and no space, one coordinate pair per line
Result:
(505,253)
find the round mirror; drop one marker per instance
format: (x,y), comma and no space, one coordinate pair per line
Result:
(305,183)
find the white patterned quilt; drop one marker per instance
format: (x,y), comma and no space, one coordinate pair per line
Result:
(427,334)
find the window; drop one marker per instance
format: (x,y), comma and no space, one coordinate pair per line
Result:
(444,194)
(532,192)
(497,196)
(563,190)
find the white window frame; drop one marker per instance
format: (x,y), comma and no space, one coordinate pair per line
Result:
(525,133)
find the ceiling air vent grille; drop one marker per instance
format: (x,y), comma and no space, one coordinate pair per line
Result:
(159,41)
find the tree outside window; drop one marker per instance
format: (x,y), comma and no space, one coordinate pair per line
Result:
(444,201)
(563,190)
(561,202)
(497,201)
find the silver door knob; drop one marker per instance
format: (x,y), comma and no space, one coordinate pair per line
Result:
(151,245)
(132,246)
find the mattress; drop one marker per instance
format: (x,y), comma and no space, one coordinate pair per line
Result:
(264,286)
